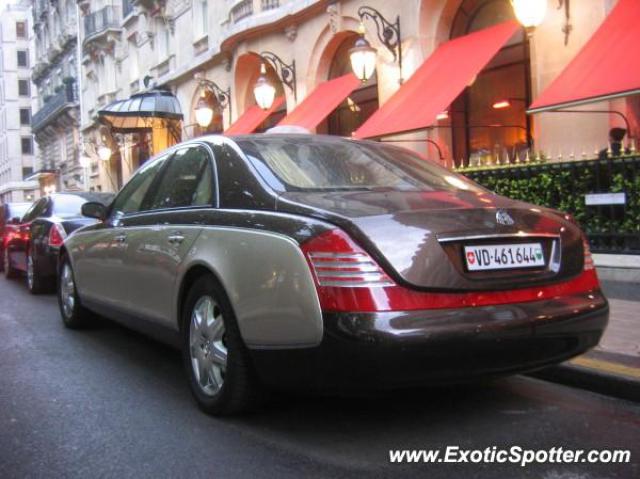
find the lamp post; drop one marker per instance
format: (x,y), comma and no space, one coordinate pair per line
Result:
(363,55)
(263,91)
(204,108)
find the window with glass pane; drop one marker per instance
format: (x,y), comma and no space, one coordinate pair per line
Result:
(488,120)
(25,116)
(187,181)
(21,30)
(23,60)
(23,88)
(27,145)
(129,200)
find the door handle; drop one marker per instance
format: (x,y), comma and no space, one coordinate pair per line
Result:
(120,238)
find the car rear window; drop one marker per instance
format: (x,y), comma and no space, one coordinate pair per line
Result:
(313,163)
(67,205)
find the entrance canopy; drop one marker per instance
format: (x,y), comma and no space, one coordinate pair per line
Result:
(251,119)
(605,67)
(139,111)
(321,102)
(437,82)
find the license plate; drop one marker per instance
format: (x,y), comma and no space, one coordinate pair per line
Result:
(504,256)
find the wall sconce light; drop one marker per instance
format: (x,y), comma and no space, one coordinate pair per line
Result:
(263,91)
(363,55)
(104,153)
(531,13)
(204,108)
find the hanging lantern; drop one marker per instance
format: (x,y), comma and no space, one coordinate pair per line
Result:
(363,59)
(263,91)
(204,112)
(104,153)
(530,13)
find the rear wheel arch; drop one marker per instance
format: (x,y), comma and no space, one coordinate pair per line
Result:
(192,275)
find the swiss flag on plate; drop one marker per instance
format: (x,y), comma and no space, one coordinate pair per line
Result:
(471,258)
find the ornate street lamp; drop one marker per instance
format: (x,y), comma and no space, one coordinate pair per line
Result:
(363,55)
(530,12)
(204,108)
(104,153)
(263,91)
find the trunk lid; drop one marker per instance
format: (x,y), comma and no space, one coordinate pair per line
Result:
(419,238)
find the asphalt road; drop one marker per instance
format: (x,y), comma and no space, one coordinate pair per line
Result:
(108,402)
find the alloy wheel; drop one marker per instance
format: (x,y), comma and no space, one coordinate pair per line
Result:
(208,350)
(67,290)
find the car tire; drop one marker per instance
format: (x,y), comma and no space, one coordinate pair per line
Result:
(221,375)
(9,271)
(35,282)
(74,315)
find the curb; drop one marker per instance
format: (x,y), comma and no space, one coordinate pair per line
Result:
(595,380)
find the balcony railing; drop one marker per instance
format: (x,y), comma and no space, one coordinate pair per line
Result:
(242,10)
(103,19)
(53,107)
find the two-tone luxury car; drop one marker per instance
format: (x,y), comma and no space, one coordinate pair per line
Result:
(329,264)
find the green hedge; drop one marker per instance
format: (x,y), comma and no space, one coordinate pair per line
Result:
(563,186)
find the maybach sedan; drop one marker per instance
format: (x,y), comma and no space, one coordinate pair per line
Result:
(332,265)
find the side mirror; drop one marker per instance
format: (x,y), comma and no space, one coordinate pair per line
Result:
(93,209)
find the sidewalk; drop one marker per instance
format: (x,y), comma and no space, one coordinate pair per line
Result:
(613,367)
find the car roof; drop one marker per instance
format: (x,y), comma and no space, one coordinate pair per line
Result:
(87,195)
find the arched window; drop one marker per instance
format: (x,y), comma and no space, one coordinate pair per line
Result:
(489,118)
(358,106)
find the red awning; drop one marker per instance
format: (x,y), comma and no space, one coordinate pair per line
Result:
(321,102)
(437,82)
(252,118)
(605,67)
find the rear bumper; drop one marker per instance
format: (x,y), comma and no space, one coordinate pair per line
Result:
(397,349)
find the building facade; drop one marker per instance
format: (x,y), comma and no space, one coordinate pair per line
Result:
(17,149)
(185,45)
(55,123)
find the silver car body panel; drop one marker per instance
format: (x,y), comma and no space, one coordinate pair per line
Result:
(268,282)
(264,274)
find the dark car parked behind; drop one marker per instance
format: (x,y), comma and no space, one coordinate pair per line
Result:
(33,246)
(10,215)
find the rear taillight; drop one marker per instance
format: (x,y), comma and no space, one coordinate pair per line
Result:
(337,261)
(588,259)
(57,234)
(347,279)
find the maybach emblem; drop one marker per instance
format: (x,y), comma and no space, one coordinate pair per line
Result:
(504,218)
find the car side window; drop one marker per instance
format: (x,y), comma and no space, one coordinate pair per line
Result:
(129,200)
(187,181)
